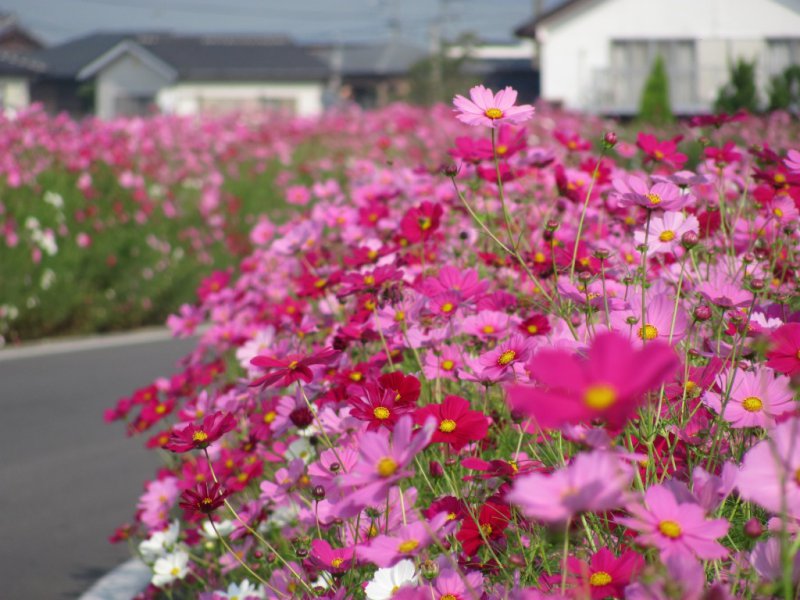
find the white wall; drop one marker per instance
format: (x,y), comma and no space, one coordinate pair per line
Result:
(14,93)
(192,98)
(125,77)
(575,45)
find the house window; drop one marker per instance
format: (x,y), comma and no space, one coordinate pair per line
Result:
(782,53)
(632,60)
(133,105)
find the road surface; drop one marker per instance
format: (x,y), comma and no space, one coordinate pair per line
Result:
(68,479)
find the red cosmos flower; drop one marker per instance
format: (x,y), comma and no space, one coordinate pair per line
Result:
(784,352)
(213,284)
(722,156)
(199,436)
(368,280)
(419,223)
(378,407)
(604,574)
(290,369)
(205,498)
(457,424)
(492,522)
(661,151)
(535,325)
(405,387)
(609,384)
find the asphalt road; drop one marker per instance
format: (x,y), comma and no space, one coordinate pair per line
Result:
(68,479)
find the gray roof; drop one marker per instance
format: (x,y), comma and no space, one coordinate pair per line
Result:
(19,64)
(196,57)
(394,57)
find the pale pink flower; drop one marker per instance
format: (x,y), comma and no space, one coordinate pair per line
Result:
(491,110)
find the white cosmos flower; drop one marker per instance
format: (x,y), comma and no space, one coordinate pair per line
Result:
(169,568)
(225,528)
(159,543)
(385,582)
(240,591)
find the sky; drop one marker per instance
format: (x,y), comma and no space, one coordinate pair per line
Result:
(303,20)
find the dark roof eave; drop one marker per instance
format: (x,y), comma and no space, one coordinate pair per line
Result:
(528,29)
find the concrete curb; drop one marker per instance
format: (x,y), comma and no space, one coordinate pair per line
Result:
(122,583)
(60,346)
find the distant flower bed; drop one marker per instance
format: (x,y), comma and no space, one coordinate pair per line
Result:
(558,364)
(111,225)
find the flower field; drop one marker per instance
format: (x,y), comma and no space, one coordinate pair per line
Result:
(519,357)
(112,225)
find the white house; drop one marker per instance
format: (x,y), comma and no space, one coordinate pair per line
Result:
(192,74)
(594,55)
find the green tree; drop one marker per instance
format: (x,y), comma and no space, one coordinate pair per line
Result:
(784,90)
(740,92)
(654,106)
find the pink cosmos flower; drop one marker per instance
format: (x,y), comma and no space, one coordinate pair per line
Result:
(465,283)
(291,368)
(634,191)
(770,471)
(491,110)
(382,463)
(657,323)
(406,542)
(451,585)
(666,231)
(444,365)
(792,161)
(501,363)
(674,527)
(604,574)
(200,435)
(594,481)
(784,352)
(755,398)
(333,560)
(608,384)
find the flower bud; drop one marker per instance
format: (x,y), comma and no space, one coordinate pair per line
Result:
(335,467)
(748,257)
(601,253)
(318,493)
(757,284)
(552,225)
(753,528)
(429,569)
(435,469)
(689,240)
(609,140)
(450,170)
(584,276)
(702,312)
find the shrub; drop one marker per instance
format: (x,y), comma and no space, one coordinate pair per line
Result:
(740,92)
(784,90)
(654,106)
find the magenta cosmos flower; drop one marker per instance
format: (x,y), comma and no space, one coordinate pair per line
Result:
(408,541)
(609,384)
(382,463)
(770,472)
(457,425)
(604,574)
(676,528)
(594,481)
(784,352)
(200,435)
(755,398)
(490,109)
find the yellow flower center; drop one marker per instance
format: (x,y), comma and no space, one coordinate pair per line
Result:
(293,365)
(448,365)
(692,389)
(448,597)
(777,212)
(599,578)
(670,529)
(447,307)
(356,375)
(600,397)
(648,332)
(501,149)
(752,404)
(337,562)
(539,257)
(399,316)
(407,546)
(425,223)
(667,235)
(387,466)
(488,329)
(199,436)
(447,426)
(533,329)
(320,283)
(659,155)
(506,357)
(270,416)
(369,280)
(780,178)
(174,571)
(493,113)
(486,529)
(381,412)
(654,198)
